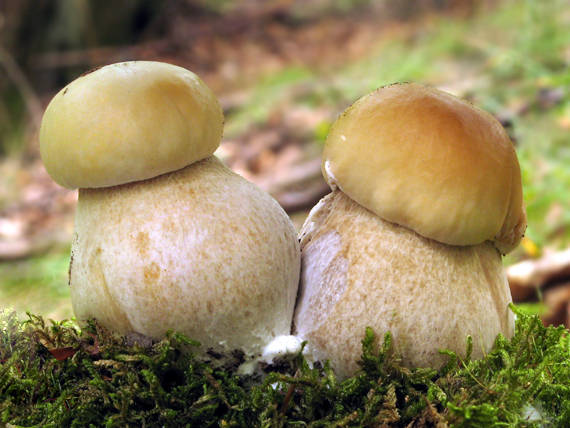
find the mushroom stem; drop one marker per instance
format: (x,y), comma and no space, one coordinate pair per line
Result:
(359,270)
(200,250)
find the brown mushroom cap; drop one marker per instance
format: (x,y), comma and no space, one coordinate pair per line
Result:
(426,160)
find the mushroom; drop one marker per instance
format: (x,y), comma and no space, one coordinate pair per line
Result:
(166,236)
(426,196)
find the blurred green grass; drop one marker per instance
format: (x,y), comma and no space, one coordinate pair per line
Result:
(38,285)
(503,60)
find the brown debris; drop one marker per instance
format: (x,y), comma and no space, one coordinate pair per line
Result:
(61,354)
(548,276)
(557,300)
(40,219)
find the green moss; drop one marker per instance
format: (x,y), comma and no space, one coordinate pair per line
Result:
(57,375)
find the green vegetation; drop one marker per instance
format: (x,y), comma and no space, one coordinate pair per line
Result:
(57,375)
(38,284)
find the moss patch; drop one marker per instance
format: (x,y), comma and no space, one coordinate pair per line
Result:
(53,374)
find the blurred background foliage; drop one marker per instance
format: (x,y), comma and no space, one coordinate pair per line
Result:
(283,70)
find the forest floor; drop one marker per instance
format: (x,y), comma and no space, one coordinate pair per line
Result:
(282,83)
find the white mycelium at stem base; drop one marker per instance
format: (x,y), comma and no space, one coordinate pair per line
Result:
(426,196)
(166,236)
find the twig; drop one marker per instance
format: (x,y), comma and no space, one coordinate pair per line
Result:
(527,276)
(18,77)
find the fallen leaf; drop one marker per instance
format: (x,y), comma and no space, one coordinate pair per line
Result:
(61,354)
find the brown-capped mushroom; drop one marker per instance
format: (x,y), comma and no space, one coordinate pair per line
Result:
(426,196)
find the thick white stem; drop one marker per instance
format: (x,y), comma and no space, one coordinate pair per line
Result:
(201,251)
(360,271)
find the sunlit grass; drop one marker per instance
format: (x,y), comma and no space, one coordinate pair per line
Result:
(270,92)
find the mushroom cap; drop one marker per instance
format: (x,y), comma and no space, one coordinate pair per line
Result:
(360,271)
(127,122)
(426,160)
(201,251)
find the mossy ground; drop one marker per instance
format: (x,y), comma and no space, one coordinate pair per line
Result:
(54,374)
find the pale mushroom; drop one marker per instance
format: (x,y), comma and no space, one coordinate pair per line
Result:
(426,196)
(166,237)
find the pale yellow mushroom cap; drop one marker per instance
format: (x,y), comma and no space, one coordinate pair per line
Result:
(128,122)
(426,160)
